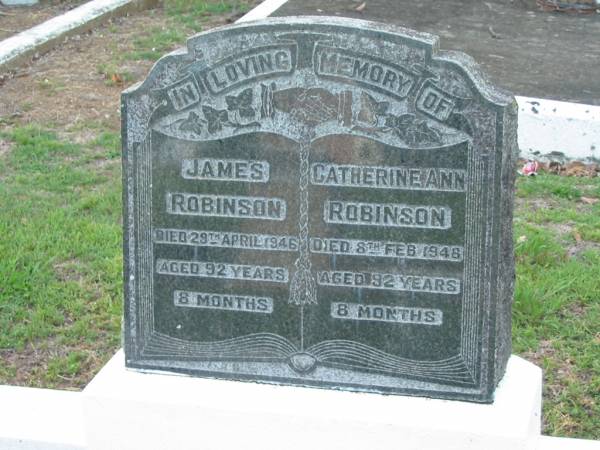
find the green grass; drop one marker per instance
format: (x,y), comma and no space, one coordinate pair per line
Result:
(60,271)
(186,17)
(156,42)
(557,297)
(61,280)
(191,13)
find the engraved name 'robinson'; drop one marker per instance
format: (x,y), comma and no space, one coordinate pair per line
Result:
(387,214)
(384,313)
(226,206)
(211,269)
(225,170)
(389,281)
(226,302)
(410,178)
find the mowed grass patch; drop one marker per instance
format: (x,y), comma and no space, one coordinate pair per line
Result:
(61,264)
(557,297)
(185,18)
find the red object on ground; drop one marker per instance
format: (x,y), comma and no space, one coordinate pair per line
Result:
(530,168)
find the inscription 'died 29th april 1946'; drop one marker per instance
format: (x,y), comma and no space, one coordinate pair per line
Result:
(322,202)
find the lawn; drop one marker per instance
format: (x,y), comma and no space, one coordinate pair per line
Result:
(60,227)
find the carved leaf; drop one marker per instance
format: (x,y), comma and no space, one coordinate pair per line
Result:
(241,103)
(413,131)
(191,123)
(421,133)
(215,118)
(371,109)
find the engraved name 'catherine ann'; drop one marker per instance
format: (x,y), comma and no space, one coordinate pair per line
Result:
(225,170)
(210,269)
(225,302)
(409,178)
(237,206)
(385,313)
(389,281)
(387,214)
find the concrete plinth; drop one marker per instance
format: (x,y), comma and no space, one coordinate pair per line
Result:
(159,411)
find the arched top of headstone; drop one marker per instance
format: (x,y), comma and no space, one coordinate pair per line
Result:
(314,76)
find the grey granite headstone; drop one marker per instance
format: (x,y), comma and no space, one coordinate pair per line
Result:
(320,202)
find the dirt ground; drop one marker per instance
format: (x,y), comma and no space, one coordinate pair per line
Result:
(67,88)
(14,19)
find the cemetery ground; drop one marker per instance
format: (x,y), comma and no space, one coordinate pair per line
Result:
(60,224)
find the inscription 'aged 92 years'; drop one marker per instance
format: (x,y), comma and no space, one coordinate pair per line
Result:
(321,202)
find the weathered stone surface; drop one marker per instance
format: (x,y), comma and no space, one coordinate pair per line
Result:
(322,202)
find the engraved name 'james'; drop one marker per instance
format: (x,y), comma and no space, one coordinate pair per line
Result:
(225,302)
(211,269)
(226,206)
(409,178)
(389,281)
(385,313)
(387,214)
(225,170)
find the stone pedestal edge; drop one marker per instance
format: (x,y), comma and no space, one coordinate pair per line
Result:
(129,410)
(153,411)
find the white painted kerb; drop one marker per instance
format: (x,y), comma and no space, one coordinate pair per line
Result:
(29,40)
(547,126)
(265,9)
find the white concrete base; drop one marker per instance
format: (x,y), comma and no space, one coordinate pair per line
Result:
(160,411)
(40,419)
(556,443)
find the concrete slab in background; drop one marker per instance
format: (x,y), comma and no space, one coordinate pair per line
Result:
(522,49)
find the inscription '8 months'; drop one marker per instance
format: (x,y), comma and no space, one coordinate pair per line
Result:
(345,212)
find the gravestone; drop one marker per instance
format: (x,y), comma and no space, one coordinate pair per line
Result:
(320,202)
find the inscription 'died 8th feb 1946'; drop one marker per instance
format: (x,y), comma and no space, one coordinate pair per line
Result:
(320,202)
